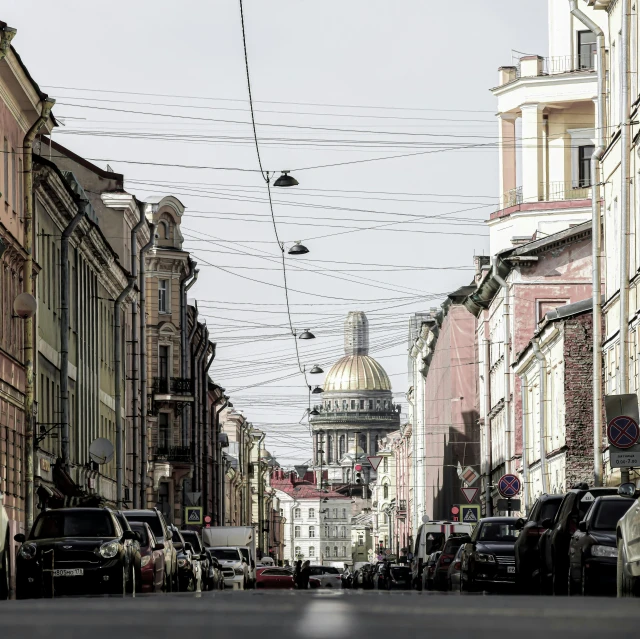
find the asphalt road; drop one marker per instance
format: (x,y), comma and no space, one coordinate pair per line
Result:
(319,615)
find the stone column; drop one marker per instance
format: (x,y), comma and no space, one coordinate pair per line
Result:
(336,446)
(507,158)
(532,152)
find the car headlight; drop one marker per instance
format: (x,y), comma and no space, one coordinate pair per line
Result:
(484,558)
(604,551)
(145,560)
(182,563)
(238,571)
(27,551)
(109,549)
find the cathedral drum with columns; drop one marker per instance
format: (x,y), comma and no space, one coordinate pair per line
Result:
(357,408)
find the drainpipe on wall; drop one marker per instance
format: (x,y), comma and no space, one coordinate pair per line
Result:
(185,285)
(64,332)
(525,459)
(117,345)
(29,213)
(144,448)
(195,417)
(206,479)
(542,376)
(507,366)
(135,405)
(186,415)
(596,237)
(487,420)
(218,480)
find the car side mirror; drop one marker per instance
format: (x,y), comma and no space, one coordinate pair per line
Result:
(520,523)
(159,547)
(627,490)
(582,526)
(547,523)
(129,535)
(20,538)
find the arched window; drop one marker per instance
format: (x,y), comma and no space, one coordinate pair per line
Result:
(296,513)
(343,531)
(335,551)
(296,531)
(384,518)
(312,531)
(327,552)
(385,491)
(163,230)
(343,551)
(312,551)
(342,446)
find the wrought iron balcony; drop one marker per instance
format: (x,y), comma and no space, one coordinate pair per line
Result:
(173,454)
(172,386)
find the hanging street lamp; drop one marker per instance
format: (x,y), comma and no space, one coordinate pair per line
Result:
(306,335)
(286,180)
(298,249)
(316,370)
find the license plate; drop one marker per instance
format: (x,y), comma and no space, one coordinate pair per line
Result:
(511,569)
(68,572)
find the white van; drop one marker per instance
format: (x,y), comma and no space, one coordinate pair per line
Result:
(243,537)
(431,537)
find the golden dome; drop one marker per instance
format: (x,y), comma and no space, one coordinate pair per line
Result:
(356,373)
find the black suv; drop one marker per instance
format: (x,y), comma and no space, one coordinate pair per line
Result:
(161,532)
(554,543)
(526,548)
(74,551)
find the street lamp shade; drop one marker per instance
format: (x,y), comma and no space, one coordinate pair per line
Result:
(298,249)
(25,305)
(286,180)
(317,390)
(307,335)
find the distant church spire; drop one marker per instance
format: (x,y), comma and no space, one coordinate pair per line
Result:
(356,334)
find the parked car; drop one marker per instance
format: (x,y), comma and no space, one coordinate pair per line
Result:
(153,574)
(453,577)
(234,567)
(199,554)
(488,558)
(4,550)
(74,551)
(554,543)
(443,563)
(215,578)
(159,527)
(270,578)
(593,552)
(133,549)
(329,576)
(399,577)
(628,542)
(527,545)
(188,566)
(429,571)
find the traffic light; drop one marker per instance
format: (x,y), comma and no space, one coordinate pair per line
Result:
(358,474)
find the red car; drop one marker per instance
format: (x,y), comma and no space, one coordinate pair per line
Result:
(274,577)
(152,558)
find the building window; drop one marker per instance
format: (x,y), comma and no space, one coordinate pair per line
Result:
(385,465)
(342,446)
(337,404)
(584,164)
(327,552)
(586,49)
(377,404)
(298,551)
(385,491)
(329,450)
(362,404)
(326,531)
(335,513)
(370,404)
(343,531)
(296,531)
(345,404)
(360,539)
(163,286)
(312,551)
(296,513)
(6,170)
(312,531)
(343,551)
(334,531)
(163,430)
(335,551)
(353,404)
(163,368)
(312,513)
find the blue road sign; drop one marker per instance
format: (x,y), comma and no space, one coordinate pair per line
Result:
(509,485)
(623,432)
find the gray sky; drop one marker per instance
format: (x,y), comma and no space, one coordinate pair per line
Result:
(317,68)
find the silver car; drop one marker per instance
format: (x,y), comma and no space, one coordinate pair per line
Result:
(328,576)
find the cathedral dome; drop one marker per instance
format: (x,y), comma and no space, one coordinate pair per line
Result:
(356,371)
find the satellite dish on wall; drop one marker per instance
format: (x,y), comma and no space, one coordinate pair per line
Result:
(101,451)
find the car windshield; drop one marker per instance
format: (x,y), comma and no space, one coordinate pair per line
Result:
(73,524)
(245,553)
(225,554)
(609,513)
(175,537)
(152,519)
(498,531)
(452,545)
(194,540)
(400,573)
(141,529)
(549,509)
(329,570)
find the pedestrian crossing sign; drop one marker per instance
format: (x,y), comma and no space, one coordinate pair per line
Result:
(193,515)
(469,513)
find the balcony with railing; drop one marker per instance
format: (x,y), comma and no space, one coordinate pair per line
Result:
(548,192)
(172,386)
(183,454)
(534,66)
(341,416)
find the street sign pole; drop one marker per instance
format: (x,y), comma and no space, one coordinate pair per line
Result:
(623,433)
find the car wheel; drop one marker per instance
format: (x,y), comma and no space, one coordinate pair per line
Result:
(4,571)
